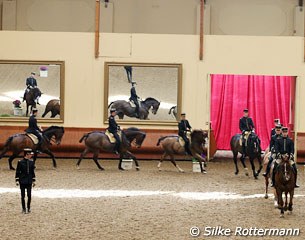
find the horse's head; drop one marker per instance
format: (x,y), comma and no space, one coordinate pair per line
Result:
(199,136)
(54,132)
(36,92)
(254,143)
(153,104)
(285,167)
(134,135)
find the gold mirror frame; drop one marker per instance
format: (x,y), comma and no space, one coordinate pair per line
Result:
(62,90)
(143,122)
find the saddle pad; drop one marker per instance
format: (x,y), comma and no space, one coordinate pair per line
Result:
(33,138)
(111,137)
(132,104)
(246,138)
(182,142)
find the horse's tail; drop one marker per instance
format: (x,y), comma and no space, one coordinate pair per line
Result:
(171,109)
(110,105)
(160,140)
(8,141)
(83,137)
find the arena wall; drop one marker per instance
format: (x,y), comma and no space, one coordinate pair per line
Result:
(84,100)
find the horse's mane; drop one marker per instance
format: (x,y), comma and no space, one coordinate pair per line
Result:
(150,99)
(133,129)
(198,135)
(53,128)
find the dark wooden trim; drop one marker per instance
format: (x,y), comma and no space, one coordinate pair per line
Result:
(201,29)
(97,27)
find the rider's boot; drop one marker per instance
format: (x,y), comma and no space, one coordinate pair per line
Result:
(243,155)
(265,174)
(296,175)
(273,174)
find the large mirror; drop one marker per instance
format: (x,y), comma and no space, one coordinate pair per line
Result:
(31,84)
(143,93)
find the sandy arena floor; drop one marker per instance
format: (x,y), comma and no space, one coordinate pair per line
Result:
(153,205)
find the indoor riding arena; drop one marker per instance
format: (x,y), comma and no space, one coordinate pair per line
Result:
(216,61)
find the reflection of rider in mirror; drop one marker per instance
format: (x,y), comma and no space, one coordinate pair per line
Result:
(31,83)
(183,127)
(134,98)
(128,70)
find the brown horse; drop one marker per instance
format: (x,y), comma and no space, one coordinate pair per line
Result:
(265,162)
(98,141)
(171,146)
(30,98)
(285,183)
(124,108)
(52,106)
(16,143)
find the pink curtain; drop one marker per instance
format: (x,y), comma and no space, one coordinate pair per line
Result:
(266,97)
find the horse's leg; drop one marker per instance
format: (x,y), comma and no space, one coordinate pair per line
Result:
(27,110)
(120,163)
(266,184)
(280,202)
(164,155)
(260,165)
(286,201)
(83,154)
(47,151)
(235,162)
(291,193)
(275,199)
(172,159)
(95,159)
(242,159)
(200,159)
(253,167)
(10,160)
(135,160)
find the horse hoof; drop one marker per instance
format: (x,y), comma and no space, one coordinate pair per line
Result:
(102,169)
(77,167)
(282,216)
(121,169)
(266,196)
(236,173)
(247,174)
(204,172)
(138,168)
(11,168)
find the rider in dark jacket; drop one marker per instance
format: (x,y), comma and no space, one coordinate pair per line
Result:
(274,138)
(183,128)
(245,125)
(33,127)
(30,83)
(285,145)
(113,128)
(276,123)
(134,98)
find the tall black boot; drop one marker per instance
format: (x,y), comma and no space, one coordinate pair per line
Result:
(187,149)
(273,174)
(296,174)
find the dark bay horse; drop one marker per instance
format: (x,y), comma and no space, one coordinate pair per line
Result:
(285,183)
(16,143)
(124,108)
(52,106)
(98,141)
(30,98)
(171,146)
(253,151)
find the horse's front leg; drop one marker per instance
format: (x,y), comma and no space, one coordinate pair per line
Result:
(172,159)
(266,184)
(83,154)
(253,167)
(120,163)
(47,151)
(260,165)
(135,160)
(242,159)
(164,155)
(291,193)
(10,161)
(235,162)
(286,201)
(280,202)
(95,159)
(200,159)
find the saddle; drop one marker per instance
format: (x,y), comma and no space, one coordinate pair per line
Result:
(246,136)
(33,138)
(111,137)
(132,104)
(182,142)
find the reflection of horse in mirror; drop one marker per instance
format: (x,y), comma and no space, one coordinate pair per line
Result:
(124,108)
(16,143)
(284,183)
(253,150)
(98,141)
(30,98)
(173,110)
(52,106)
(171,146)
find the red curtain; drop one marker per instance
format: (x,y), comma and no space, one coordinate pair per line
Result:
(266,97)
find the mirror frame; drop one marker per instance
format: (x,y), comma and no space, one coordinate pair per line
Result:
(62,90)
(137,64)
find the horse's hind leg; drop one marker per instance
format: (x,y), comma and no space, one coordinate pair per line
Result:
(10,160)
(242,159)
(255,174)
(164,155)
(172,159)
(291,193)
(83,154)
(266,184)
(235,162)
(286,201)
(95,159)
(260,165)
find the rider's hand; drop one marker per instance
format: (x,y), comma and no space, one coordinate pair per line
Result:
(17,183)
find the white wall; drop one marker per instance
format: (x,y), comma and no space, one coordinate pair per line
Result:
(84,99)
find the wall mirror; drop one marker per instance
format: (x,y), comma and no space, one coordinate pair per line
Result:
(24,83)
(156,88)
